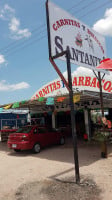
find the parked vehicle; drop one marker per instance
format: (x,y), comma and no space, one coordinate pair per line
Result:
(5,134)
(35,138)
(67,131)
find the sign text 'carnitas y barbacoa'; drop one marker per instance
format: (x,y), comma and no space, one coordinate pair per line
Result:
(86,47)
(79,83)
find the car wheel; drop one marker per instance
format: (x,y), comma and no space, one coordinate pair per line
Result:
(62,140)
(36,148)
(17,150)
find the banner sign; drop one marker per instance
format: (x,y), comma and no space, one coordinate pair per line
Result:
(86,47)
(79,83)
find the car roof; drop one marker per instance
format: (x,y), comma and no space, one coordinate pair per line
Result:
(33,126)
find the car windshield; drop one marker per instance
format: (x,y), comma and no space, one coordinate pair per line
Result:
(24,130)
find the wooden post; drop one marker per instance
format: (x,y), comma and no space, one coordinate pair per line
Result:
(69,87)
(103,144)
(74,135)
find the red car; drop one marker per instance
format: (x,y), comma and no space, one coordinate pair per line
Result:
(35,138)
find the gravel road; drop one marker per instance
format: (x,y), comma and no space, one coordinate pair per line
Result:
(51,175)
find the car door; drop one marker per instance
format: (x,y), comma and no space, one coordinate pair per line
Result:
(43,138)
(53,137)
(33,136)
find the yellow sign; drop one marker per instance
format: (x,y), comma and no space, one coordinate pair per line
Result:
(8,106)
(76,98)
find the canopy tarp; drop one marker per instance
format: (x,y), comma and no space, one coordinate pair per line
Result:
(105,64)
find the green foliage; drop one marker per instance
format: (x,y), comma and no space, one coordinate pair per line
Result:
(101,136)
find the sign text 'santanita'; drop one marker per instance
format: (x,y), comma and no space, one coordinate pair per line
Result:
(75,54)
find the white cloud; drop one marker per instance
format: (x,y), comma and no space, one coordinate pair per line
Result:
(104,25)
(82,70)
(85,71)
(18,86)
(79,71)
(16,32)
(8,14)
(65,74)
(8,8)
(88,72)
(2,59)
(14,24)
(4,86)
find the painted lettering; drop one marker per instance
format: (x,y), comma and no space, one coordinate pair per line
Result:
(58,42)
(87,81)
(81,81)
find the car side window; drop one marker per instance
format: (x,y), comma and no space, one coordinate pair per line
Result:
(35,131)
(52,130)
(42,130)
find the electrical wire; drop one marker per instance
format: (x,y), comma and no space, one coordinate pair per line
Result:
(29,44)
(42,26)
(75,5)
(10,49)
(86,6)
(11,45)
(15,44)
(110,1)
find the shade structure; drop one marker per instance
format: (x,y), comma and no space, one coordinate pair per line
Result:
(105,64)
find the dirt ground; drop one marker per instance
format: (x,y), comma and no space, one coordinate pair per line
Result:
(51,175)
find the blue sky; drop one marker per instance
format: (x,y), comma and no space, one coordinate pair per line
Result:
(24,64)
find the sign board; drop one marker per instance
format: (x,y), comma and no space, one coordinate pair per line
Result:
(86,47)
(80,83)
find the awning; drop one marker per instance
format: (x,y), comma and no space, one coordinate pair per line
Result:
(88,99)
(105,64)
